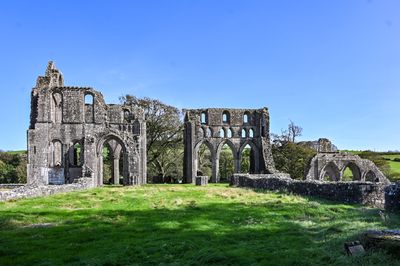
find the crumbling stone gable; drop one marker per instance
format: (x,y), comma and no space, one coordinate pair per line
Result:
(237,128)
(65,118)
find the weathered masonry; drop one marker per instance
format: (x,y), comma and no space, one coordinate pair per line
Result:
(237,128)
(330,166)
(70,126)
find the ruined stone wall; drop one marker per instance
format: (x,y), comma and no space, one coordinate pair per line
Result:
(236,128)
(320,145)
(392,197)
(366,193)
(333,164)
(63,118)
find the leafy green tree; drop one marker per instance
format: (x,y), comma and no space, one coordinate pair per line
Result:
(204,161)
(289,156)
(245,162)
(12,168)
(226,163)
(164,135)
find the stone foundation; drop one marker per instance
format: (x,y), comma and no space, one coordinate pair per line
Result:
(45,190)
(366,193)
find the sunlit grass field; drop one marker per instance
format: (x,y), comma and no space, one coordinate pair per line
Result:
(184,225)
(394,166)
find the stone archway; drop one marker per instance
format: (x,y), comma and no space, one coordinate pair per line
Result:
(334,164)
(254,157)
(354,169)
(330,171)
(222,170)
(211,149)
(118,151)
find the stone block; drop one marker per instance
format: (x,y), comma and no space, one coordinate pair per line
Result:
(202,180)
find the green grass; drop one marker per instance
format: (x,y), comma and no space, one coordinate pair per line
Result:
(183,225)
(394,166)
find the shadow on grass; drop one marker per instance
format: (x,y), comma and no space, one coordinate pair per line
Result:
(233,233)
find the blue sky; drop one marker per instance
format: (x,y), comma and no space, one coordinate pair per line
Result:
(333,67)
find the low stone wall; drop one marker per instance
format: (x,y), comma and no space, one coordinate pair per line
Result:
(11,186)
(37,191)
(366,193)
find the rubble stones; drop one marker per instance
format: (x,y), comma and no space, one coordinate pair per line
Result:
(387,240)
(30,191)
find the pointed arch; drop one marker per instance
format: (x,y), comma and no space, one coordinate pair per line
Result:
(57,155)
(89,108)
(370,176)
(226,117)
(76,154)
(203,118)
(251,133)
(230,144)
(222,133)
(226,160)
(56,107)
(244,133)
(229,133)
(204,164)
(246,118)
(207,143)
(253,159)
(354,172)
(330,172)
(250,143)
(118,152)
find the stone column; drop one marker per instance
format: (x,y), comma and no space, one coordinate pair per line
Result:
(116,170)
(215,170)
(237,165)
(100,171)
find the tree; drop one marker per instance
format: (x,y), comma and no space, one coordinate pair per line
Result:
(12,167)
(289,156)
(294,131)
(164,135)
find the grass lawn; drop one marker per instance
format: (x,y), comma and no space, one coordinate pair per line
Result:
(394,166)
(183,225)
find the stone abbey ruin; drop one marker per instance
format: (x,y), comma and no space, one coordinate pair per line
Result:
(237,128)
(70,126)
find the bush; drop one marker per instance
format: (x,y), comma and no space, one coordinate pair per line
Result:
(292,158)
(12,168)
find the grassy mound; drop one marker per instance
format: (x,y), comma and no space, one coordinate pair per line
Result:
(183,225)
